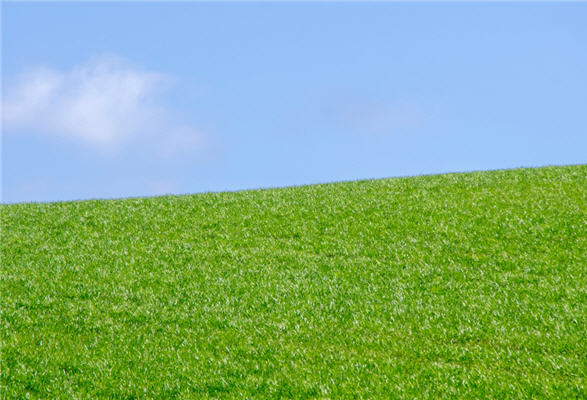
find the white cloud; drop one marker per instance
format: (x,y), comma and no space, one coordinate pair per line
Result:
(105,103)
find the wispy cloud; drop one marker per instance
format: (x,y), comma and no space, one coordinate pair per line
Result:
(105,103)
(374,117)
(380,118)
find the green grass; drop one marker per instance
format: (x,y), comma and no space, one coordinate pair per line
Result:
(460,285)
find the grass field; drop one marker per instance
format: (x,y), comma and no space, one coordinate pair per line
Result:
(460,285)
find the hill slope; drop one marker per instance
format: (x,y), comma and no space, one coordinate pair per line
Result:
(470,285)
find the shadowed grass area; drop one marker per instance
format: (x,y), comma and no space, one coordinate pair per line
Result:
(460,285)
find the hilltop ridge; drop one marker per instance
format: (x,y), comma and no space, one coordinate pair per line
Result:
(459,285)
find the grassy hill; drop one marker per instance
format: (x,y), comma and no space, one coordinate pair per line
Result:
(460,285)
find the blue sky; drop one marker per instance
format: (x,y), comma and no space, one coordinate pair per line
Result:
(105,100)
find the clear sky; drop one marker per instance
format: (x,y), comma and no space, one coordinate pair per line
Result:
(105,100)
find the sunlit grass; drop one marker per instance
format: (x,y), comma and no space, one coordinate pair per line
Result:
(460,285)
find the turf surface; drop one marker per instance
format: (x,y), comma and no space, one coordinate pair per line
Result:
(460,285)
